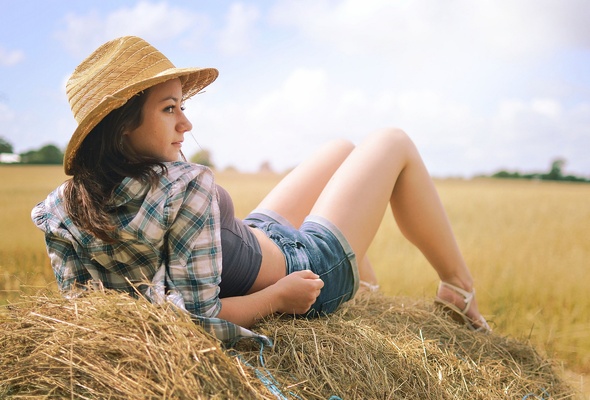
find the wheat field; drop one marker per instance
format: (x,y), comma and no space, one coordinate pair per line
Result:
(527,244)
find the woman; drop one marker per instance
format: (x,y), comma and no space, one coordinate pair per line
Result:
(135,218)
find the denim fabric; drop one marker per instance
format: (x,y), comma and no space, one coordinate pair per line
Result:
(319,246)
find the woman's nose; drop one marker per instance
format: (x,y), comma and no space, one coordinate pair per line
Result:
(184,124)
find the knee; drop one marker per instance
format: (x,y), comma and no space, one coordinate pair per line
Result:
(393,143)
(393,137)
(342,146)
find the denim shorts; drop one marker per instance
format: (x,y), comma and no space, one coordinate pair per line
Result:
(319,246)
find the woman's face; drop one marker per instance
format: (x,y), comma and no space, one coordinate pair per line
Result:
(163,125)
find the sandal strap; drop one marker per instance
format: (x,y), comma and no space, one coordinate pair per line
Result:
(369,286)
(467,296)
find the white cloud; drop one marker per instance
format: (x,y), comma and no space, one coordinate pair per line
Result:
(311,107)
(236,35)
(499,29)
(547,107)
(529,115)
(287,123)
(278,126)
(444,67)
(303,92)
(10,58)
(469,51)
(426,105)
(436,69)
(155,22)
(531,133)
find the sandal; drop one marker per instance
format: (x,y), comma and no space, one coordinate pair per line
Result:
(460,315)
(368,286)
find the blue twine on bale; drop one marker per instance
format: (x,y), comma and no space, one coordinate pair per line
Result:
(268,379)
(534,396)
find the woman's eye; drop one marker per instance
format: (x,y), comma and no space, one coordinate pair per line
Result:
(170,109)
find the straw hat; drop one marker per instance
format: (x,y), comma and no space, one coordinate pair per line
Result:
(114,73)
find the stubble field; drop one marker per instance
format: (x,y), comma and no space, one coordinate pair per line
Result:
(527,244)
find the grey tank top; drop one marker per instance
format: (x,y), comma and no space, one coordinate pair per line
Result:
(240,250)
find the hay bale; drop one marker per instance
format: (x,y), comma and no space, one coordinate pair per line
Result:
(378,347)
(107,345)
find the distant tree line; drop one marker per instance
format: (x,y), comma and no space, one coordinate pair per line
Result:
(555,173)
(51,154)
(5,147)
(48,154)
(203,157)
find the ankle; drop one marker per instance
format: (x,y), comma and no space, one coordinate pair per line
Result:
(463,283)
(460,278)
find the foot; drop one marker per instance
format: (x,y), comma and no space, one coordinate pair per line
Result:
(461,305)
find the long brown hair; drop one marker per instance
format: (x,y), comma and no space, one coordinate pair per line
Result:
(100,165)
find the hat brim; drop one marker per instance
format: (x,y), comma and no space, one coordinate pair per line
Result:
(193,80)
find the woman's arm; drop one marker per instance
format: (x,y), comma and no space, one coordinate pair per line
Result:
(293,294)
(195,258)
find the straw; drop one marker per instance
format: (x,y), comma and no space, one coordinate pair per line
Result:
(108,345)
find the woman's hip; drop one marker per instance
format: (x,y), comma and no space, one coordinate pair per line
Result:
(318,246)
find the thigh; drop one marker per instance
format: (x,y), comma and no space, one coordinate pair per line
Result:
(360,191)
(296,194)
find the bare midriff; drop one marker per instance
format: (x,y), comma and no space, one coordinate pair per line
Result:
(273,266)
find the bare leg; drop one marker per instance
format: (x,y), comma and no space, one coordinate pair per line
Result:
(296,194)
(387,169)
(367,277)
(294,197)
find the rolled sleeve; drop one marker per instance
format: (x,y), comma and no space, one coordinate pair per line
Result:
(69,268)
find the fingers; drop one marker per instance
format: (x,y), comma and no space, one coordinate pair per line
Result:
(307,274)
(299,290)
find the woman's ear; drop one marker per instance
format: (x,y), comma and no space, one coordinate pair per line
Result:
(123,134)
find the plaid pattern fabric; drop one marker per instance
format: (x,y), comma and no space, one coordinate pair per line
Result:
(169,247)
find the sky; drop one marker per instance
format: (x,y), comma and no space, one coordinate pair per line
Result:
(479,85)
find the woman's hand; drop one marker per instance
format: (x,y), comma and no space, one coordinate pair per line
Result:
(292,294)
(297,292)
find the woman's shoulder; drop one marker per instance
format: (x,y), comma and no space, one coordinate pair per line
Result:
(178,181)
(182,170)
(185,186)
(182,176)
(174,177)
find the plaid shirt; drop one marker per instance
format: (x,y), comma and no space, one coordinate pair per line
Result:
(169,239)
